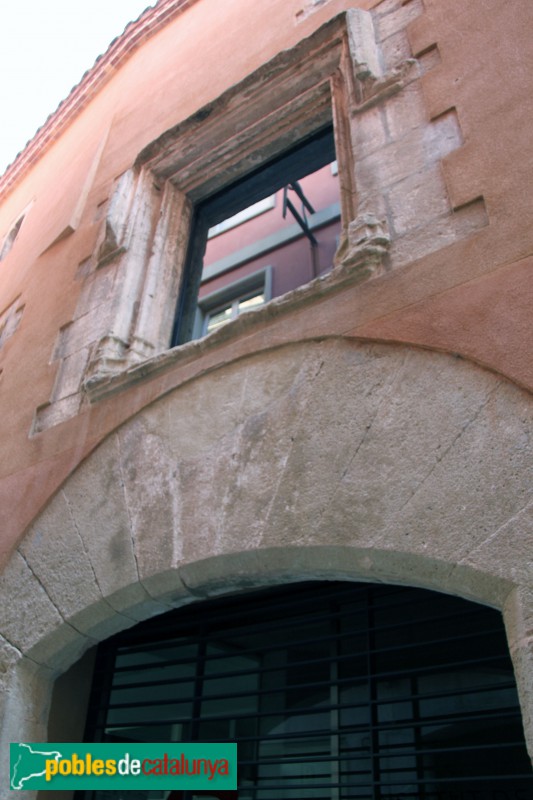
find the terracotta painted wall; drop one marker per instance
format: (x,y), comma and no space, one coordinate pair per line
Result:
(472,297)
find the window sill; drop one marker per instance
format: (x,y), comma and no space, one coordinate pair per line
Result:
(359,259)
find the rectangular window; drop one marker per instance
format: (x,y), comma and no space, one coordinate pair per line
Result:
(271,131)
(211,291)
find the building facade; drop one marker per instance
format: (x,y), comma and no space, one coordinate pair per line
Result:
(366,423)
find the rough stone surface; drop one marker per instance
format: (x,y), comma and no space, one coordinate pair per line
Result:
(70,374)
(53,413)
(95,496)
(27,614)
(368,131)
(329,460)
(416,200)
(333,447)
(10,320)
(518,615)
(396,49)
(153,500)
(392,163)
(523,666)
(322,460)
(168,588)
(397,18)
(95,541)
(82,332)
(71,582)
(509,549)
(405,111)
(442,136)
(9,659)
(280,565)
(337,444)
(443,232)
(429,59)
(24,704)
(136,602)
(96,290)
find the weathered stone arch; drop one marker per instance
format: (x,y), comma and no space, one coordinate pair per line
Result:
(330,460)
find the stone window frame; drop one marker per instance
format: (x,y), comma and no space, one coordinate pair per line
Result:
(325,78)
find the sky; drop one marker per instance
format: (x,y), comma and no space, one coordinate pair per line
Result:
(47,45)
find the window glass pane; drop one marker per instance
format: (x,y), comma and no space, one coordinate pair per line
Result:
(232,238)
(217,318)
(238,305)
(243,216)
(252,302)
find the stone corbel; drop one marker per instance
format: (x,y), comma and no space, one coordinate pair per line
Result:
(364,246)
(109,357)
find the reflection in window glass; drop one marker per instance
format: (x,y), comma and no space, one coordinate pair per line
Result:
(243,216)
(214,319)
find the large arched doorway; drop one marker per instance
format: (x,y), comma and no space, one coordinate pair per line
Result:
(334,461)
(332,690)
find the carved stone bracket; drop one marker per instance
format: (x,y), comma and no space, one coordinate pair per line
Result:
(364,246)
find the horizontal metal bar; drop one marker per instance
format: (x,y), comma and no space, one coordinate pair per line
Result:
(349,681)
(305,759)
(377,651)
(241,630)
(358,728)
(413,782)
(223,612)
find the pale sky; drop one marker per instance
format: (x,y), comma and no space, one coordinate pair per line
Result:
(47,45)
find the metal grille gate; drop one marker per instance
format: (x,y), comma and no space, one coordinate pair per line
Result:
(332,690)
